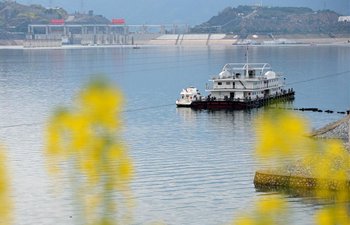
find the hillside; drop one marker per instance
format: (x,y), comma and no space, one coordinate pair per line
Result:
(246,20)
(15,17)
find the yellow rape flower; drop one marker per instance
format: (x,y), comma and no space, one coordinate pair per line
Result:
(101,104)
(268,211)
(283,135)
(280,133)
(6,204)
(333,215)
(271,205)
(245,221)
(87,137)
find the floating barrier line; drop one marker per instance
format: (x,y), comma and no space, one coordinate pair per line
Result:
(131,110)
(166,105)
(146,108)
(321,77)
(20,125)
(314,110)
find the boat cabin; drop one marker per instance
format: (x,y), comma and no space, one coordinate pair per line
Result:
(242,81)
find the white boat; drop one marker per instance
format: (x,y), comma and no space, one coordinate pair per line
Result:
(239,86)
(246,81)
(187,96)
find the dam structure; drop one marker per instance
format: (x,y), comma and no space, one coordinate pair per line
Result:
(50,35)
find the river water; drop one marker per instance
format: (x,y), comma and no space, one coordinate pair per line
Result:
(192,167)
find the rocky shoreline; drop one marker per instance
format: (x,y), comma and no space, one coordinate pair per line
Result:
(337,130)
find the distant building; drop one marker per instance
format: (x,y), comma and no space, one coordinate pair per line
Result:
(344,19)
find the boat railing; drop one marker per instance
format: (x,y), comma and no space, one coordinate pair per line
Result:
(282,92)
(241,77)
(234,68)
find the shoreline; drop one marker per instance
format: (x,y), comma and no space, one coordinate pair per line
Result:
(263,42)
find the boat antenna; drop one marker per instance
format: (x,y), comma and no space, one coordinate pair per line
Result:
(247,60)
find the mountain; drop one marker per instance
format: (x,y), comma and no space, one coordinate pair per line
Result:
(246,20)
(15,18)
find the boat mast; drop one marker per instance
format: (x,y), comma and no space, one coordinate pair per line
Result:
(246,56)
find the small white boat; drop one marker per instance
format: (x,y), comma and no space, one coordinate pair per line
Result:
(187,96)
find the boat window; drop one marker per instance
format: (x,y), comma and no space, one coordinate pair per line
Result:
(219,83)
(251,73)
(228,83)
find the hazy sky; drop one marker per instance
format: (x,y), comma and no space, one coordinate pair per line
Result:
(177,11)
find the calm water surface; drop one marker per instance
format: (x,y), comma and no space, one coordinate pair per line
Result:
(192,167)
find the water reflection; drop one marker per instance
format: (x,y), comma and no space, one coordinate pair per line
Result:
(187,114)
(225,116)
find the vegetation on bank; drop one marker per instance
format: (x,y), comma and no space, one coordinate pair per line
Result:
(15,18)
(245,20)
